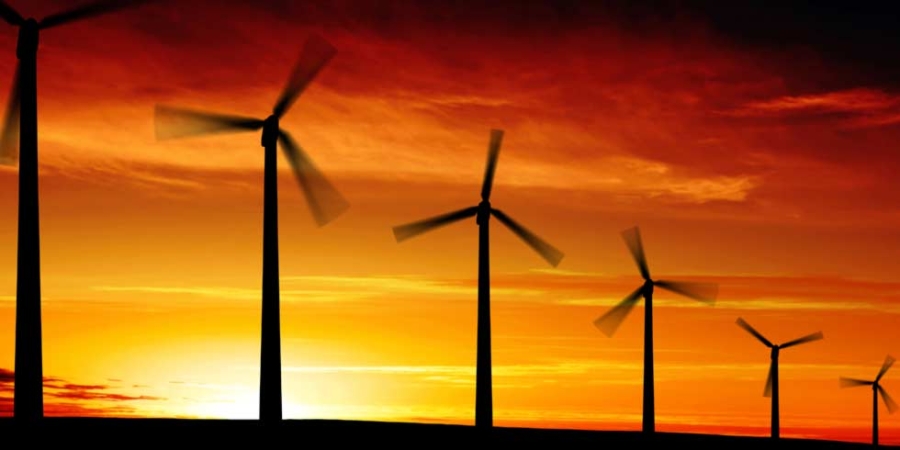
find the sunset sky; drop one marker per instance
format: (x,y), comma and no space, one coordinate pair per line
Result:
(755,147)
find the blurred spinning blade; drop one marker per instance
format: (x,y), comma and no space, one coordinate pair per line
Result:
(491,166)
(172,122)
(632,237)
(325,202)
(412,229)
(888,401)
(547,251)
(316,53)
(854,382)
(770,380)
(702,292)
(9,141)
(608,323)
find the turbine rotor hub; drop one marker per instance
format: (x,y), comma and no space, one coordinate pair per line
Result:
(648,287)
(484,212)
(27,44)
(270,131)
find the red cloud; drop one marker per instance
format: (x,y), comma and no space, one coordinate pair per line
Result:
(62,398)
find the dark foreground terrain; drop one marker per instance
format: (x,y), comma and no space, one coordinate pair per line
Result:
(174,433)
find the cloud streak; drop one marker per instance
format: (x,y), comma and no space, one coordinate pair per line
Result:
(64,398)
(852,108)
(567,288)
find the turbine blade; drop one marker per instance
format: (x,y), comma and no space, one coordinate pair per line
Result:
(172,122)
(325,202)
(608,323)
(702,292)
(89,10)
(809,338)
(10,15)
(547,251)
(404,232)
(315,54)
(888,401)
(491,167)
(9,142)
(854,382)
(888,362)
(632,238)
(770,381)
(743,324)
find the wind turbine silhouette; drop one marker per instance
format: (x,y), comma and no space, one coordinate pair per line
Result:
(325,202)
(772,382)
(19,143)
(876,389)
(608,323)
(482,212)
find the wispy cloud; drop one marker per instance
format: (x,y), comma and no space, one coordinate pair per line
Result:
(585,371)
(568,288)
(857,107)
(331,289)
(64,398)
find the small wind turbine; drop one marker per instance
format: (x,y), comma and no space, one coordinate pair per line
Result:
(482,212)
(609,322)
(19,143)
(772,382)
(324,200)
(876,389)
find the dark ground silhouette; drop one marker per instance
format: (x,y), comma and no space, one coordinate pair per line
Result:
(109,433)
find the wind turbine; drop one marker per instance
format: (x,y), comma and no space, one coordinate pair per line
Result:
(19,144)
(772,382)
(482,212)
(608,323)
(876,389)
(325,202)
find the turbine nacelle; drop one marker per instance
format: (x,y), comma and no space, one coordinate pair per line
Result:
(647,288)
(28,39)
(484,212)
(775,350)
(270,131)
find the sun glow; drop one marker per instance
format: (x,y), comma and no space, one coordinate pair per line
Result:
(245,406)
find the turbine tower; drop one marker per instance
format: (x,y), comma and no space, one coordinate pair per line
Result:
(482,212)
(608,323)
(19,144)
(876,389)
(771,389)
(324,201)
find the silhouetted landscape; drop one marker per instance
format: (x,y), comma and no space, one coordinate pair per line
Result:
(19,148)
(322,433)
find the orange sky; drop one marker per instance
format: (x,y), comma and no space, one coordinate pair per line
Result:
(765,163)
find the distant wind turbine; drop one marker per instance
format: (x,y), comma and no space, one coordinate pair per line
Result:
(324,200)
(610,322)
(482,212)
(19,144)
(876,389)
(772,382)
